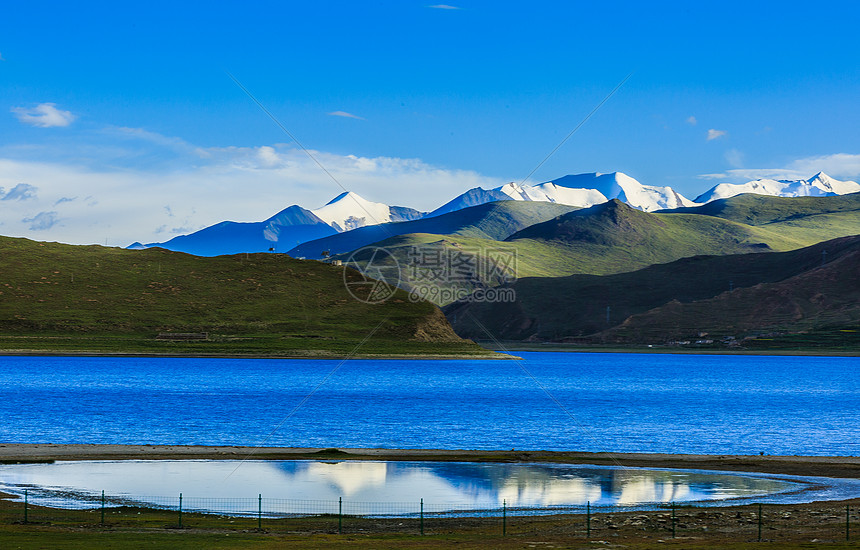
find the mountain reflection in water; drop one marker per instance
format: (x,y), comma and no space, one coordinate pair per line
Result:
(457,485)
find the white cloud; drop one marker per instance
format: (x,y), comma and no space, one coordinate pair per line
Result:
(716,134)
(691,120)
(230,183)
(345,115)
(444,7)
(44,115)
(840,166)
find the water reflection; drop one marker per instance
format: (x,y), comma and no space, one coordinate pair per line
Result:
(446,486)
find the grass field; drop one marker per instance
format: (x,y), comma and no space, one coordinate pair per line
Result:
(818,525)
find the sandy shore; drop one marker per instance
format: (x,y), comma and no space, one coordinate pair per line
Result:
(829,466)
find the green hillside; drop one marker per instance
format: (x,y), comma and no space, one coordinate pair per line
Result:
(604,239)
(753,209)
(614,238)
(62,297)
(576,306)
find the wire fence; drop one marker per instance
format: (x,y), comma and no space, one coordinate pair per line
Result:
(753,522)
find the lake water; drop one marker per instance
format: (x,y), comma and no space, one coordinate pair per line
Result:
(557,401)
(395,488)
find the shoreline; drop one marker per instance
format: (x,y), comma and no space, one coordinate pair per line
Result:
(491,355)
(504,354)
(824,466)
(556,348)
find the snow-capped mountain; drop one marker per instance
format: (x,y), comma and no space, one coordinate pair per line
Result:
(288,228)
(819,185)
(578,190)
(594,188)
(349,211)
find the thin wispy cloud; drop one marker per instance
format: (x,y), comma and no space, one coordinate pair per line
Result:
(21,192)
(344,114)
(443,7)
(735,158)
(691,120)
(44,115)
(42,221)
(716,134)
(840,166)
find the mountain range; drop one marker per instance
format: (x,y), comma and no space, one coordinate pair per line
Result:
(289,229)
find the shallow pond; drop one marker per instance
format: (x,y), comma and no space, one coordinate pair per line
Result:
(278,488)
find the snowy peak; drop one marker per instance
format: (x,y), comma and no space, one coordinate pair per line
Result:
(350,211)
(830,185)
(819,185)
(586,190)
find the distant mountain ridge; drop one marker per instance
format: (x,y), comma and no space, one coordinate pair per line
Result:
(288,228)
(492,220)
(294,226)
(285,229)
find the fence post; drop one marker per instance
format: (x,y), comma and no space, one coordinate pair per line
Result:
(847,522)
(422,517)
(260,511)
(759,522)
(25,505)
(180,510)
(103,507)
(504,517)
(339,515)
(673,520)
(588,519)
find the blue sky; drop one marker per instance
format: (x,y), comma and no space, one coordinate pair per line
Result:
(122,123)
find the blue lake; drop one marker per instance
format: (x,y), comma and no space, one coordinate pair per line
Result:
(557,401)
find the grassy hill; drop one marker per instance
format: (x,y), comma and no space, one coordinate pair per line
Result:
(62,297)
(614,238)
(604,239)
(576,306)
(823,301)
(495,221)
(752,209)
